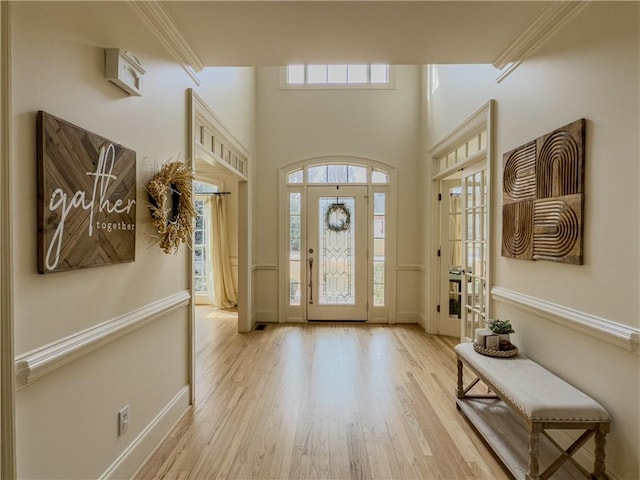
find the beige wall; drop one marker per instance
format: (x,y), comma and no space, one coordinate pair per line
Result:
(231,93)
(67,420)
(589,70)
(294,125)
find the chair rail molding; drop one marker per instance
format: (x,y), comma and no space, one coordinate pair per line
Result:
(549,22)
(30,366)
(410,268)
(612,332)
(165,29)
(265,266)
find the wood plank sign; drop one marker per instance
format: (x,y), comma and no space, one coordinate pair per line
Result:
(86,198)
(543,197)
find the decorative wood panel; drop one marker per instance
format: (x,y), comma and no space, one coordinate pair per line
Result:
(520,174)
(557,231)
(543,197)
(517,238)
(86,198)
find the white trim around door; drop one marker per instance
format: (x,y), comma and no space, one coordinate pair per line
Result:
(7,371)
(296,181)
(471,143)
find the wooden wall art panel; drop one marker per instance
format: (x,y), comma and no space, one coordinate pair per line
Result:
(517,227)
(543,197)
(86,198)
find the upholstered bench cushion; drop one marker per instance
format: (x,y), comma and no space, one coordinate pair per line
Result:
(532,389)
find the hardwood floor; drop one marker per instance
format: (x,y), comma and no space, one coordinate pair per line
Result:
(322,401)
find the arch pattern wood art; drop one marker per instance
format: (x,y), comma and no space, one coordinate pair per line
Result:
(520,174)
(557,229)
(517,241)
(558,166)
(543,197)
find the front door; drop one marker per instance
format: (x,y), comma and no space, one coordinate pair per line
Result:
(337,253)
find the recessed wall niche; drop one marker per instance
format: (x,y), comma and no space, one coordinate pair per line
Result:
(543,197)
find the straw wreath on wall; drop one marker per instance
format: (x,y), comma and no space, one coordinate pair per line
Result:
(171,205)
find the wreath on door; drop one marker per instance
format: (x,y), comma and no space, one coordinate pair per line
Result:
(337,218)
(171,205)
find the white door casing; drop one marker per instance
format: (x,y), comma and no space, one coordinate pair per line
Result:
(470,144)
(376,181)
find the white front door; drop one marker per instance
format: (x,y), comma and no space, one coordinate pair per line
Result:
(337,253)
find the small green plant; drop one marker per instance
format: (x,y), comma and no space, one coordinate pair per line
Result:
(501,326)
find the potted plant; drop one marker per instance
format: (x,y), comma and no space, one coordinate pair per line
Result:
(502,328)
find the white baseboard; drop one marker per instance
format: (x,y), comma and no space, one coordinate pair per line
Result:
(295,320)
(145,444)
(407,316)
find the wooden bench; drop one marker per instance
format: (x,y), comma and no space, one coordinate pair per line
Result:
(525,401)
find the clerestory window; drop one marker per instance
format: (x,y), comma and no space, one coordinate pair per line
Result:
(365,75)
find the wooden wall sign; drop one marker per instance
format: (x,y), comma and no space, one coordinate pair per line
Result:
(543,197)
(86,198)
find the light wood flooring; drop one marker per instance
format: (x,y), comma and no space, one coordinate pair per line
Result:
(322,401)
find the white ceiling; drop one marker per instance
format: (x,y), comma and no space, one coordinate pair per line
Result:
(243,33)
(257,33)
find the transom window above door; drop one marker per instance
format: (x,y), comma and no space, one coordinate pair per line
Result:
(337,173)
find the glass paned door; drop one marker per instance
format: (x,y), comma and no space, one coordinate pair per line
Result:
(474,287)
(337,253)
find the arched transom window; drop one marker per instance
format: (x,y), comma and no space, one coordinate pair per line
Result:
(338,173)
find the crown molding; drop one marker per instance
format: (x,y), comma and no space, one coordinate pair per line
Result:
(550,21)
(165,29)
(603,329)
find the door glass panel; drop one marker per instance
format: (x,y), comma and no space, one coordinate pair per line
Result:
(378,176)
(357,174)
(336,255)
(337,173)
(475,190)
(295,236)
(318,174)
(379,217)
(295,177)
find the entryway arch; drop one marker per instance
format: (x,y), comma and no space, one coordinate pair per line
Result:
(337,240)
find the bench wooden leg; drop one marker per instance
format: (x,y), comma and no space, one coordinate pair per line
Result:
(598,468)
(534,452)
(460,392)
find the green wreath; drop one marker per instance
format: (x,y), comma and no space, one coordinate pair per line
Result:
(337,218)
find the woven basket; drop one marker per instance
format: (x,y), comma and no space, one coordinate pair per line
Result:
(496,353)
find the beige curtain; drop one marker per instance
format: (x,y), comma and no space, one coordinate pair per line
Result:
(455,230)
(221,292)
